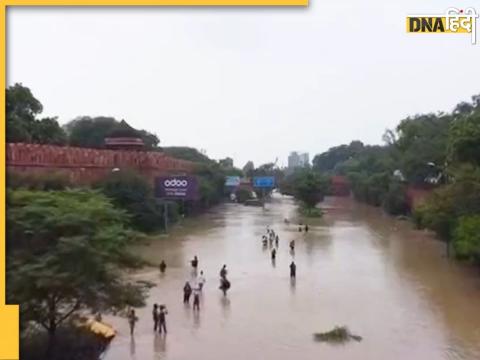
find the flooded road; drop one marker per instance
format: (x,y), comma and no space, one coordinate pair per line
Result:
(388,283)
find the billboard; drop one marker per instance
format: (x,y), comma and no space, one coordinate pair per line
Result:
(263,181)
(232,181)
(176,187)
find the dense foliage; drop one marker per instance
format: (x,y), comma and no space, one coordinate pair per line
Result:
(307,186)
(64,252)
(131,192)
(186,153)
(89,132)
(37,181)
(440,151)
(22,124)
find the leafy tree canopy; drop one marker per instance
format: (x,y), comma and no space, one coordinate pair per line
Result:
(133,193)
(464,139)
(187,153)
(22,109)
(64,252)
(90,132)
(309,187)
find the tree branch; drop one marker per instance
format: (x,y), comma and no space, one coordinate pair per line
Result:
(70,312)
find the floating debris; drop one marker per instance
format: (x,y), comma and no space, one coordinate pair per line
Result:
(340,334)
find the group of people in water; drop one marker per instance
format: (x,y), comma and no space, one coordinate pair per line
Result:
(195,287)
(272,237)
(159,313)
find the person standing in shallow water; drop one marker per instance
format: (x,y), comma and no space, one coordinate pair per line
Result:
(224,283)
(306,228)
(187,291)
(223,272)
(293,270)
(195,262)
(132,319)
(155,317)
(162,321)
(201,281)
(163,266)
(196,299)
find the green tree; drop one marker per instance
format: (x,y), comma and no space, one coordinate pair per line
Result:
(394,201)
(464,139)
(310,188)
(48,131)
(448,203)
(422,140)
(22,108)
(466,238)
(133,193)
(248,169)
(64,253)
(327,161)
(187,153)
(89,132)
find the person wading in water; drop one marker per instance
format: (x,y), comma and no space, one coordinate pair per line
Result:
(155,317)
(224,283)
(223,272)
(163,267)
(187,291)
(293,270)
(162,321)
(274,254)
(196,299)
(195,262)
(201,281)
(132,319)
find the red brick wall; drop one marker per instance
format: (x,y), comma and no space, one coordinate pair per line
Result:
(84,166)
(340,186)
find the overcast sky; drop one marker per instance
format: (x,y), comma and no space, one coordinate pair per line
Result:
(252,84)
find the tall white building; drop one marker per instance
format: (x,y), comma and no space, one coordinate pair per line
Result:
(296,159)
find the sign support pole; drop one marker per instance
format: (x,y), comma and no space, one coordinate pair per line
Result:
(263,198)
(165,215)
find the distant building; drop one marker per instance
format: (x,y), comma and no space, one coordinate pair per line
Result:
(296,160)
(304,160)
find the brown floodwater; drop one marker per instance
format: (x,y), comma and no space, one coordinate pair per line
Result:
(387,282)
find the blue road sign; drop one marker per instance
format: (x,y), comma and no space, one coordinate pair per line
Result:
(263,181)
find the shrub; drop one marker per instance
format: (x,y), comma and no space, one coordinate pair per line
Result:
(394,201)
(243,195)
(466,238)
(38,181)
(133,193)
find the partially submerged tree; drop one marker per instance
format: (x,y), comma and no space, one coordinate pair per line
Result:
(310,188)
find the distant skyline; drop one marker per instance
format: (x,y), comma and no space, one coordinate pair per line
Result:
(247,83)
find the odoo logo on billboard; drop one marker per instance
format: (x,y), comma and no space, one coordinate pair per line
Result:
(176,187)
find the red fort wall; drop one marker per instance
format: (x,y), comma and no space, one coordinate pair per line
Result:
(85,166)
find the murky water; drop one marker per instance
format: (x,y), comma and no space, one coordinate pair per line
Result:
(387,282)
